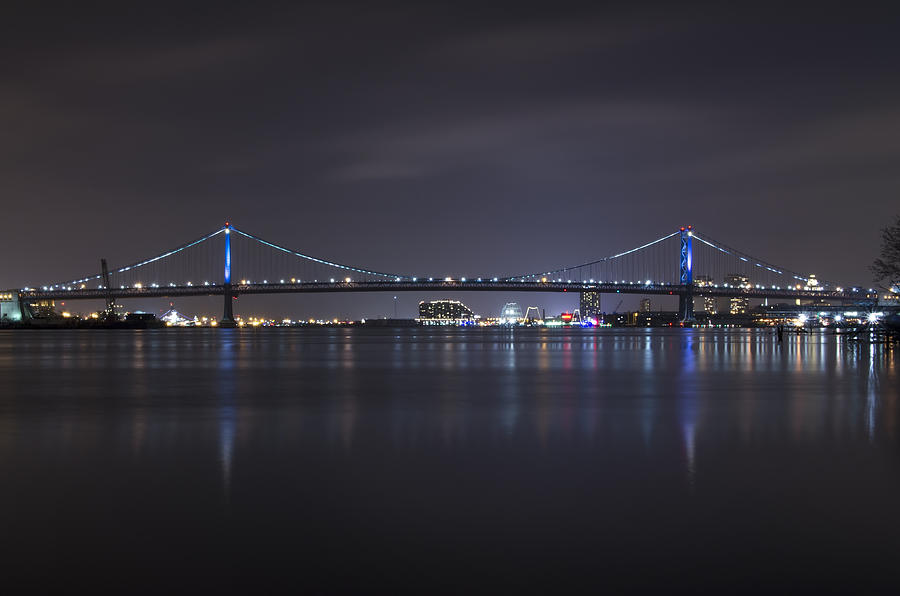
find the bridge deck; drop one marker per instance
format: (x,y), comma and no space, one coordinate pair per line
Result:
(431,286)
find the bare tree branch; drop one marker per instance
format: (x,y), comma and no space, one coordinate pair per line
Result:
(887,266)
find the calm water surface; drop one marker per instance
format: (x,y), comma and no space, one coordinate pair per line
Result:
(447,460)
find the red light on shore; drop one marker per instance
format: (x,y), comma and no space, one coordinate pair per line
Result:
(566,316)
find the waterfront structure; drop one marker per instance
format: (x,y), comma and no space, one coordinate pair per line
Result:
(532,314)
(511,314)
(10,308)
(589,305)
(173,318)
(738,305)
(444,312)
(41,309)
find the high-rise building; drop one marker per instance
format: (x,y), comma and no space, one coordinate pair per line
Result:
(645,305)
(738,304)
(590,305)
(444,312)
(710,304)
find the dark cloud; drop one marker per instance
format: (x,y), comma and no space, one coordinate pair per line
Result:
(341,129)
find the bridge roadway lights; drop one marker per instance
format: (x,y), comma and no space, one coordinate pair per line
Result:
(228,316)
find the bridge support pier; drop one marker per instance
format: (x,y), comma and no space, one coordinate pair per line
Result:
(110,312)
(686,307)
(228,316)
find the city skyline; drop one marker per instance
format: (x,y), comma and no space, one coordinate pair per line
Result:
(350,297)
(483,135)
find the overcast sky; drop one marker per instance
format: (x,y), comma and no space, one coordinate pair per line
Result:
(423,138)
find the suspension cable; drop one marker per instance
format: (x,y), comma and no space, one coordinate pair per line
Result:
(317,260)
(750,259)
(145,262)
(601,260)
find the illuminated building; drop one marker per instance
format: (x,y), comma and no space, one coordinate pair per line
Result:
(43,309)
(590,305)
(645,305)
(444,312)
(173,318)
(10,310)
(710,304)
(511,313)
(738,304)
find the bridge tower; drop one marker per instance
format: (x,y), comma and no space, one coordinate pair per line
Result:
(228,315)
(686,297)
(110,312)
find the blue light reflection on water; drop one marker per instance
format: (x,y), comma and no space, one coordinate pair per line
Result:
(588,428)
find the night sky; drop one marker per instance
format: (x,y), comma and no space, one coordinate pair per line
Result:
(449,139)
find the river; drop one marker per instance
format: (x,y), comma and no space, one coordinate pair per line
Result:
(448,460)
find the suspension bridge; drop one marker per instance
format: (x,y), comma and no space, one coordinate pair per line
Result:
(230,262)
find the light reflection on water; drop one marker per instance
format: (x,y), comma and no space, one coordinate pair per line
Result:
(813,383)
(439,424)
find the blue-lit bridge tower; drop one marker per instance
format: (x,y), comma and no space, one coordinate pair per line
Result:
(686,297)
(228,314)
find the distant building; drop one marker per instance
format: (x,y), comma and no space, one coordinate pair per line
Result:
(174,318)
(737,280)
(590,305)
(738,304)
(444,312)
(645,305)
(532,313)
(10,309)
(710,304)
(511,313)
(43,309)
(812,283)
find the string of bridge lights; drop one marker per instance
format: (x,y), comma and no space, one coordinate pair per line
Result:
(587,285)
(533,278)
